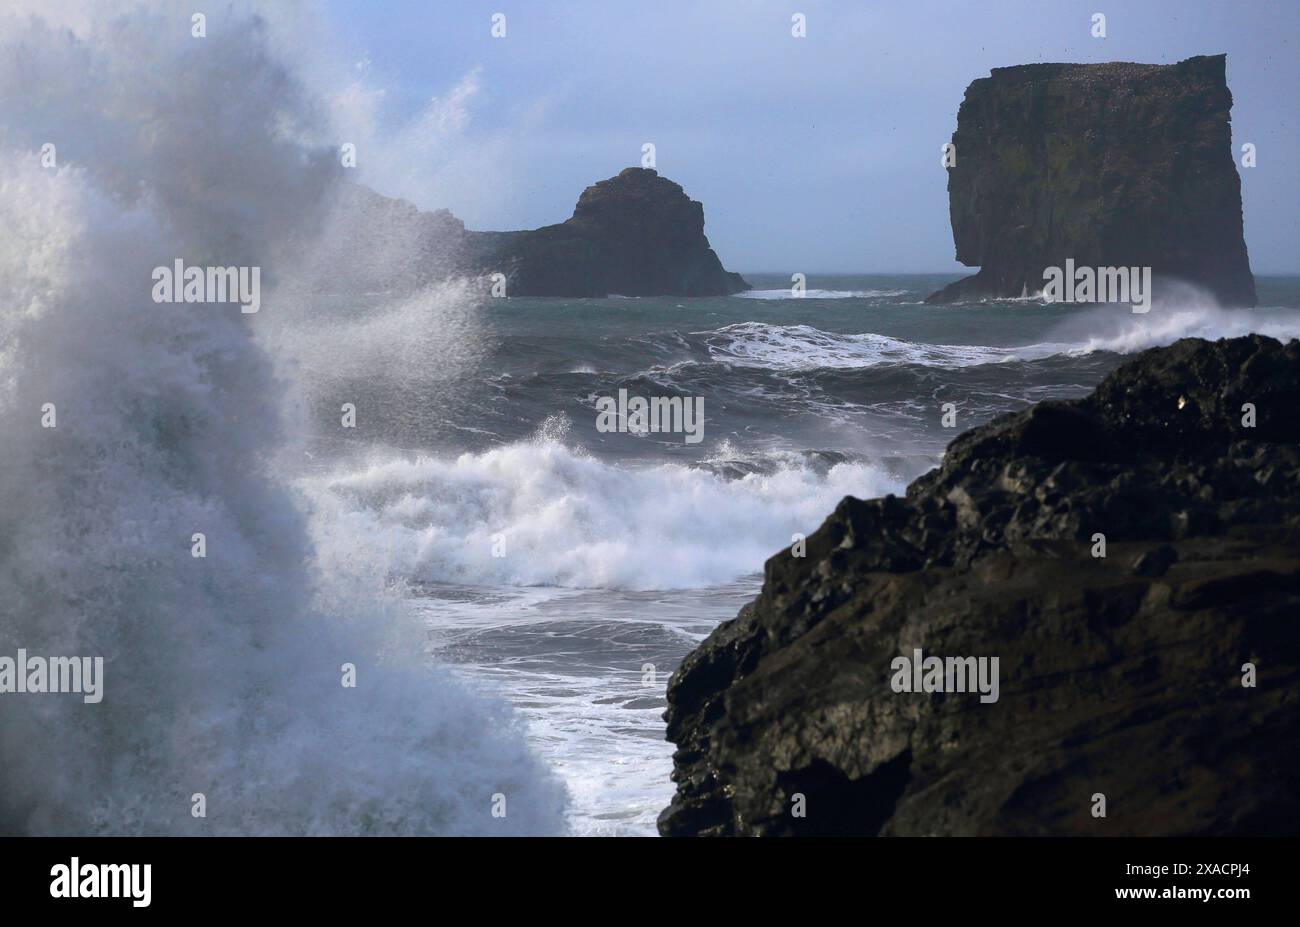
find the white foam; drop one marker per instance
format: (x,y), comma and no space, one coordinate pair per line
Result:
(222,675)
(568,519)
(803,347)
(818,294)
(1180,310)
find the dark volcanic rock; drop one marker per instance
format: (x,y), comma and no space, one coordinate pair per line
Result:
(1109,164)
(1119,675)
(637,234)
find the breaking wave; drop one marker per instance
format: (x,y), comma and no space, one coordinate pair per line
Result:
(540,513)
(1189,313)
(802,347)
(222,674)
(1181,310)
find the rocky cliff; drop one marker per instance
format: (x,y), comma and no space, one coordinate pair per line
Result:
(636,234)
(1109,164)
(1120,675)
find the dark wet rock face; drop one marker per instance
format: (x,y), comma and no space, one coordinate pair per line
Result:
(1119,675)
(1106,164)
(636,234)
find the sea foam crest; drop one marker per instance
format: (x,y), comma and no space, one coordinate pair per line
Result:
(222,674)
(563,518)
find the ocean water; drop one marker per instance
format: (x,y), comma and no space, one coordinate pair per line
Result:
(128,427)
(511,585)
(567,570)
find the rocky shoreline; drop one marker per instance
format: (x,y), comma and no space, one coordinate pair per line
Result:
(1160,677)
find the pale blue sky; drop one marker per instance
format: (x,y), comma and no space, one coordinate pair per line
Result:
(818,154)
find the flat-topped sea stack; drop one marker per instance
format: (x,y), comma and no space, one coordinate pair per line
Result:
(1111,165)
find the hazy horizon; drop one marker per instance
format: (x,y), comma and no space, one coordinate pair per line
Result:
(813,155)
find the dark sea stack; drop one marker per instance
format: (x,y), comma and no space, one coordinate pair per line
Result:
(1109,164)
(636,234)
(1120,675)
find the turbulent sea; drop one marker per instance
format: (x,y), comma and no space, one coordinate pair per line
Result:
(508,586)
(569,570)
